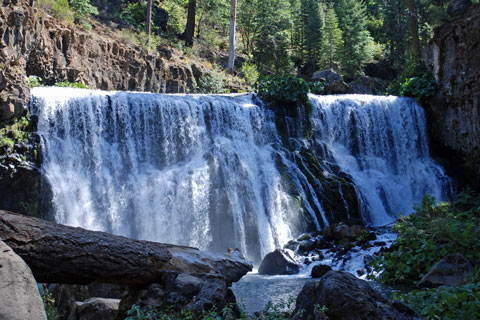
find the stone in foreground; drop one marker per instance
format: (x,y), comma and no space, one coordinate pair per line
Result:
(347,298)
(19,296)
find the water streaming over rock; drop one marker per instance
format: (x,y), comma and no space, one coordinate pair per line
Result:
(213,171)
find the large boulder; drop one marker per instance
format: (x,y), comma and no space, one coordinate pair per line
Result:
(335,84)
(19,295)
(95,309)
(320,270)
(452,271)
(280,261)
(347,298)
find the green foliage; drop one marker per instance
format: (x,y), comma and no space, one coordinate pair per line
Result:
(13,133)
(66,84)
(446,303)
(211,83)
(250,72)
(317,87)
(82,10)
(332,40)
(60,9)
(49,304)
(280,311)
(34,81)
(428,235)
(356,38)
(420,88)
(281,89)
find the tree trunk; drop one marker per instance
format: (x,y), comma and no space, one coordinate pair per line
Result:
(62,254)
(233,20)
(190,27)
(414,28)
(149,19)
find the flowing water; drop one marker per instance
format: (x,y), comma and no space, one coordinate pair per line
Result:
(213,171)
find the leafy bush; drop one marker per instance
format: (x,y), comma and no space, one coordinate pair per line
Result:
(317,87)
(281,89)
(420,88)
(49,304)
(250,72)
(13,133)
(446,303)
(211,83)
(280,311)
(60,9)
(82,10)
(34,81)
(66,84)
(428,235)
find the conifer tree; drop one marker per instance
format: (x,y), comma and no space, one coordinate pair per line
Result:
(356,38)
(314,26)
(332,40)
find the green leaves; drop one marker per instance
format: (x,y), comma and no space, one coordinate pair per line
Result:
(428,235)
(420,88)
(282,90)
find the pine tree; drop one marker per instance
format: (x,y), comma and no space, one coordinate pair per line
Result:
(356,38)
(332,40)
(314,25)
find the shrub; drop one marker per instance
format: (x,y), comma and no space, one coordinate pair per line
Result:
(420,88)
(82,10)
(60,9)
(34,81)
(446,302)
(250,72)
(49,304)
(211,83)
(428,235)
(66,84)
(281,89)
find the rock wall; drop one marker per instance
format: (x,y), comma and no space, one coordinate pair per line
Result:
(34,43)
(453,57)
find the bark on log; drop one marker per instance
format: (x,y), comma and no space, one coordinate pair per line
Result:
(62,254)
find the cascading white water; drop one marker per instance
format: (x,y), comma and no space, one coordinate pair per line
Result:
(191,170)
(381,143)
(203,170)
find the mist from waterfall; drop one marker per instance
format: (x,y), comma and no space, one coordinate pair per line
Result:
(211,171)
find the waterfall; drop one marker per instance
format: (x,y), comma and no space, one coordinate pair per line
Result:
(212,171)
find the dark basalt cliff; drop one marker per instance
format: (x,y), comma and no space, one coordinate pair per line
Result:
(453,57)
(34,43)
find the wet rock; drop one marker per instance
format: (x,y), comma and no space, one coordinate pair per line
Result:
(367,85)
(379,243)
(452,271)
(322,243)
(304,236)
(19,295)
(306,246)
(291,245)
(280,261)
(347,297)
(320,270)
(95,309)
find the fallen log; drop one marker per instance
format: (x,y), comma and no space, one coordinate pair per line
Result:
(61,254)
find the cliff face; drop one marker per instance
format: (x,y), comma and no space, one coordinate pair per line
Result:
(34,43)
(453,57)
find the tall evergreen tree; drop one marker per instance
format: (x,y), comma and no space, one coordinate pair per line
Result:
(356,38)
(314,25)
(332,40)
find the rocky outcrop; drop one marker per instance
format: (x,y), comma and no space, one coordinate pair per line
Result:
(19,295)
(34,43)
(280,261)
(453,57)
(347,297)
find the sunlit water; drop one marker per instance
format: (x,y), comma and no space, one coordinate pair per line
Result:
(210,170)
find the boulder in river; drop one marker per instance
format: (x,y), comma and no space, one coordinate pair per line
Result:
(347,298)
(320,270)
(280,261)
